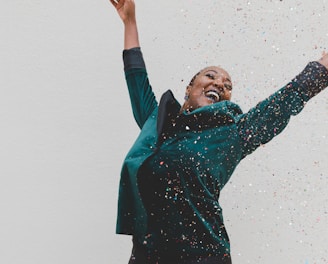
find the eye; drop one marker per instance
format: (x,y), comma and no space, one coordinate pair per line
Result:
(228,86)
(209,75)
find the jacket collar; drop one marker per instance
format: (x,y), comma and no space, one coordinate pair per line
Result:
(215,115)
(168,110)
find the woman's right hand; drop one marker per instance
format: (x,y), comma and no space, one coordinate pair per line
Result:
(125,9)
(127,12)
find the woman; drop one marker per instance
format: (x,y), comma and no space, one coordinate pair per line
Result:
(172,177)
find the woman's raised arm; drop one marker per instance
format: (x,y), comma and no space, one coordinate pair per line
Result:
(142,98)
(126,11)
(271,116)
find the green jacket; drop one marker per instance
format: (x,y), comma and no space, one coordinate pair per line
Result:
(208,144)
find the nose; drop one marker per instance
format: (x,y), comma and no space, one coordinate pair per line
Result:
(219,83)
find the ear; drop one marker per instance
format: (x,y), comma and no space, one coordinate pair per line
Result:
(188,88)
(186,97)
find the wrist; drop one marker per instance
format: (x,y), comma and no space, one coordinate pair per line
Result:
(324,60)
(324,63)
(130,22)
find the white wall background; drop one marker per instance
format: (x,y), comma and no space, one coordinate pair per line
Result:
(66,123)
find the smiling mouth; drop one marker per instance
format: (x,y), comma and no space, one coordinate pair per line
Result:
(213,95)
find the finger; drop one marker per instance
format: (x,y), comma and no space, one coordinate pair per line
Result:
(117,3)
(120,3)
(114,3)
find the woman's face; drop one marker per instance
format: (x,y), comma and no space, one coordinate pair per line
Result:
(211,85)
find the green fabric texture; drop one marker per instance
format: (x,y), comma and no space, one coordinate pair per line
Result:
(201,149)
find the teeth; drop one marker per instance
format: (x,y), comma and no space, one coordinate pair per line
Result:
(213,94)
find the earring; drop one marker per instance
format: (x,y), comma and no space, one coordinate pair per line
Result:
(186,97)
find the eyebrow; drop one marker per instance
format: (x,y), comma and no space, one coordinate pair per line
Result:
(217,73)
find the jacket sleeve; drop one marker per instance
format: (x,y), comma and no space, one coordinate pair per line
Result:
(269,117)
(142,98)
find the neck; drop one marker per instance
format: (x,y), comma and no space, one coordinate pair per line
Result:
(185,107)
